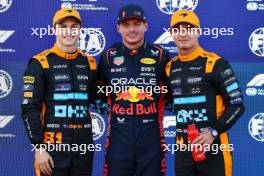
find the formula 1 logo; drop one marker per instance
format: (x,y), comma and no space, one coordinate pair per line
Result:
(166,41)
(171,6)
(4,120)
(256,42)
(257,81)
(6,84)
(4,35)
(5,5)
(92,41)
(255,86)
(98,124)
(165,38)
(256,127)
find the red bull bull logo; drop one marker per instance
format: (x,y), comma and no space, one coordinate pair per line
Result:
(133,94)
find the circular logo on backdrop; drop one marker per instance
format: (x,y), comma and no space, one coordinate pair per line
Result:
(256,42)
(92,41)
(6,83)
(4,5)
(252,6)
(66,5)
(171,6)
(251,91)
(98,124)
(256,127)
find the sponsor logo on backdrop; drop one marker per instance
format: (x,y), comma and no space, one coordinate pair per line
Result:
(4,36)
(169,125)
(165,41)
(256,42)
(92,41)
(98,124)
(91,5)
(171,6)
(256,127)
(253,5)
(6,84)
(5,5)
(256,86)
(4,121)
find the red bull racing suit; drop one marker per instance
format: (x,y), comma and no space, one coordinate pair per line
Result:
(134,144)
(55,108)
(205,91)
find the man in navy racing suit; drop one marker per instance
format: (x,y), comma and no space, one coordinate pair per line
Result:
(135,71)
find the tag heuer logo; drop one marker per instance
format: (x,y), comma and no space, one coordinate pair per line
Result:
(118,60)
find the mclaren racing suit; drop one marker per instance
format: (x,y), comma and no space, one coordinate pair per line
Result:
(58,88)
(134,144)
(204,91)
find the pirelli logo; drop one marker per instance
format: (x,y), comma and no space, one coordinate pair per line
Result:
(29,79)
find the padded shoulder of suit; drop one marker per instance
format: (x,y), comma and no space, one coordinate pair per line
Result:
(168,66)
(90,59)
(42,58)
(211,60)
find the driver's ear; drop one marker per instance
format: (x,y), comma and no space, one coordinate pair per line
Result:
(146,26)
(199,32)
(118,28)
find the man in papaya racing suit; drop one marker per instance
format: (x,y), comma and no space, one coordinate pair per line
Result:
(58,83)
(204,91)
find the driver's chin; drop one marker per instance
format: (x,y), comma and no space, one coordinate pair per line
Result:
(69,43)
(184,45)
(132,41)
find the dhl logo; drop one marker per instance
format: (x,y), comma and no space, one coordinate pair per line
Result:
(133,94)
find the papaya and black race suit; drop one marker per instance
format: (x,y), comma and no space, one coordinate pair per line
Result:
(58,88)
(205,91)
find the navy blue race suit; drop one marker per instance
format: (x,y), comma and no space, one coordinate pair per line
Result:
(134,144)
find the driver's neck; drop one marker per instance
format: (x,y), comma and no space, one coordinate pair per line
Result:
(67,49)
(133,46)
